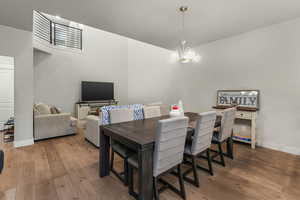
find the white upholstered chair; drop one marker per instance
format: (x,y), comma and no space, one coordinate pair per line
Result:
(224,135)
(168,154)
(198,143)
(151,111)
(118,116)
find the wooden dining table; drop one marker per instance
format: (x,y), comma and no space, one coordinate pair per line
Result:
(138,135)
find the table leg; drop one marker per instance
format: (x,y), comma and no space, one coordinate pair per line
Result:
(103,154)
(253,133)
(145,174)
(229,144)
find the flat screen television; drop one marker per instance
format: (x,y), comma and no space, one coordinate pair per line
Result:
(97,91)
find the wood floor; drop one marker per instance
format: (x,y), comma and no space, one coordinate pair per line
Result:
(67,168)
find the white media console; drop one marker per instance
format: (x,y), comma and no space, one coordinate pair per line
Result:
(83,109)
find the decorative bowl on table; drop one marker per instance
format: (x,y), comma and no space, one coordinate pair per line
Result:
(175,111)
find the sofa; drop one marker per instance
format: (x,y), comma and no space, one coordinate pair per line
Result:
(94,122)
(50,122)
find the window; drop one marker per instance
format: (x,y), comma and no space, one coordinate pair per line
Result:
(55,33)
(67,36)
(42,27)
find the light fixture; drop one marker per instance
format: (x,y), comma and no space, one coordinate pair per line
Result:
(185,53)
(58,17)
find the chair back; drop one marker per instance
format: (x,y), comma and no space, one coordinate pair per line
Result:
(227,124)
(203,132)
(169,144)
(121,115)
(151,111)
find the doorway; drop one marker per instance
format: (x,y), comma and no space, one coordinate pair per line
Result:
(7,97)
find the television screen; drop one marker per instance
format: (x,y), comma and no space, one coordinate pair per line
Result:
(96,91)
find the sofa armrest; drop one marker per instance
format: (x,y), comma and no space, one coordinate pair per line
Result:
(93,129)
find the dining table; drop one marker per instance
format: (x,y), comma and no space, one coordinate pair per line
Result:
(139,136)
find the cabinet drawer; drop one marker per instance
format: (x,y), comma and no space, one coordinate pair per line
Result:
(243,115)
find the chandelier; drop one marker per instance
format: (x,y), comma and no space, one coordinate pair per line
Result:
(185,53)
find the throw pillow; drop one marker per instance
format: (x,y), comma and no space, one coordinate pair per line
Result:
(54,110)
(43,109)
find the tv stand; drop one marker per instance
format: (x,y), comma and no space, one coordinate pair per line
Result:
(84,108)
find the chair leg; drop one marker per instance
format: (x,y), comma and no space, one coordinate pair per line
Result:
(196,179)
(131,182)
(221,154)
(125,172)
(123,176)
(209,162)
(155,188)
(181,183)
(230,147)
(1,161)
(194,166)
(112,160)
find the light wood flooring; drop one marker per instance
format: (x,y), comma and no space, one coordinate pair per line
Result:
(67,168)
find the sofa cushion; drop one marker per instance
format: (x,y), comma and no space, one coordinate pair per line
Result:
(42,109)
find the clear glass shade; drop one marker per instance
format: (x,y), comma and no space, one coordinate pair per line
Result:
(187,54)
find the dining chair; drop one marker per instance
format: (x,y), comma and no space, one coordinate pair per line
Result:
(198,143)
(164,108)
(118,116)
(151,111)
(168,155)
(224,134)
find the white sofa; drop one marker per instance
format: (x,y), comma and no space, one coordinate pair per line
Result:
(48,125)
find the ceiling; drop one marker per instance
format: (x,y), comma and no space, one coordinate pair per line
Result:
(157,21)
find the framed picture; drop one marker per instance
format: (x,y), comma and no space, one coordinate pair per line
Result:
(247,99)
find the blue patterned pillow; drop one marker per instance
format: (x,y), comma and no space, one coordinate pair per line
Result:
(137,112)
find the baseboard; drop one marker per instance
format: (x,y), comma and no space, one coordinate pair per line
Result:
(71,134)
(286,149)
(23,143)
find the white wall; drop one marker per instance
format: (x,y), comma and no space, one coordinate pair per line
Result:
(152,74)
(18,44)
(58,75)
(141,72)
(266,59)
